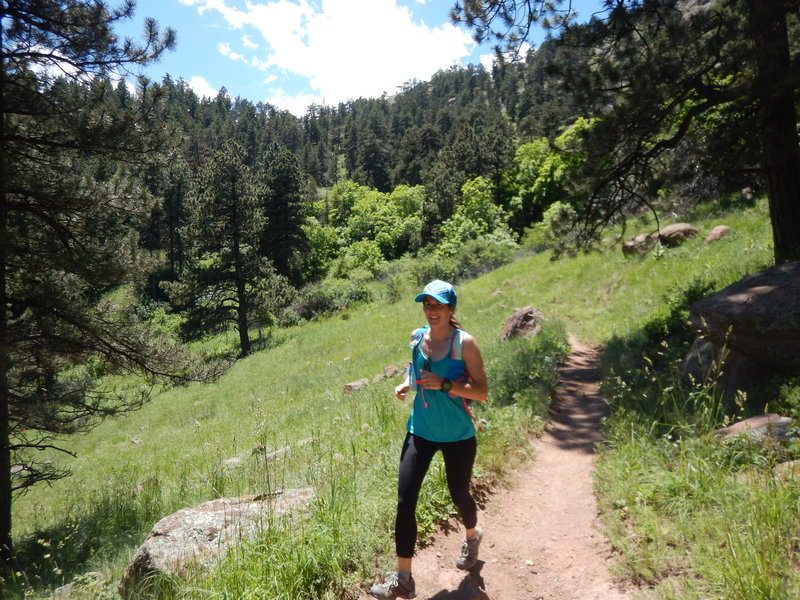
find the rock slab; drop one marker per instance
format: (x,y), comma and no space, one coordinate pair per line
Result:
(757,316)
(195,539)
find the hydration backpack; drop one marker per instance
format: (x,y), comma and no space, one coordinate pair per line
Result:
(457,371)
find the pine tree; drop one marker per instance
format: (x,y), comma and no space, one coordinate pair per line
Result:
(283,240)
(656,72)
(227,282)
(68,212)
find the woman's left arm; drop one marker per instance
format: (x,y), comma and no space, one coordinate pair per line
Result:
(476,388)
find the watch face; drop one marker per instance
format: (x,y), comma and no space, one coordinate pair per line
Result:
(446,385)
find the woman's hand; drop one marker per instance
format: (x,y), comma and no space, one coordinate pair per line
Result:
(402,390)
(430,381)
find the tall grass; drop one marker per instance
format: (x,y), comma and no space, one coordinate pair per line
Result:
(174,452)
(691,517)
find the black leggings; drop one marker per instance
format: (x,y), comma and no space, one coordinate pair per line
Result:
(414,462)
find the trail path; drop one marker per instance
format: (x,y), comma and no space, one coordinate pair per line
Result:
(542,540)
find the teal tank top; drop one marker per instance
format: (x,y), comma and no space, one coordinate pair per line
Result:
(439,416)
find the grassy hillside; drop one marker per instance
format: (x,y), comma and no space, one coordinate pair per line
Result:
(132,471)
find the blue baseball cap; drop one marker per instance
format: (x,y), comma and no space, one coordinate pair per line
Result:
(439,290)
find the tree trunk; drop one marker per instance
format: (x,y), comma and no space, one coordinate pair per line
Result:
(241,294)
(241,314)
(778,125)
(6,547)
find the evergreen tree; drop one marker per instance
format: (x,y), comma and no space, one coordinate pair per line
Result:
(169,184)
(483,146)
(68,211)
(227,281)
(283,239)
(654,71)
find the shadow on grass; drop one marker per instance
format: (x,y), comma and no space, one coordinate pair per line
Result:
(115,524)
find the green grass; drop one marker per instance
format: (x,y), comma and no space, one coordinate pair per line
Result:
(129,472)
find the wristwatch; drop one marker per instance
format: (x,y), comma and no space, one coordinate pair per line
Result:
(446,385)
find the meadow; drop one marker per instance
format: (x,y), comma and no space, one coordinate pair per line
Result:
(676,507)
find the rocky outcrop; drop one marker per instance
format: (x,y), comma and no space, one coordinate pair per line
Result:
(354,386)
(523,322)
(717,233)
(759,429)
(388,372)
(748,332)
(758,317)
(193,540)
(640,245)
(676,234)
(670,236)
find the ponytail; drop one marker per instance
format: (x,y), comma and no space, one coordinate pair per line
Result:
(454,322)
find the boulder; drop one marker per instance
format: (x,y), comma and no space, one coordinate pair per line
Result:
(523,322)
(354,386)
(787,471)
(194,539)
(676,234)
(700,361)
(717,233)
(392,371)
(758,317)
(759,428)
(640,245)
(388,372)
(733,371)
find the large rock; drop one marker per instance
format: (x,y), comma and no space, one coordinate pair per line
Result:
(523,322)
(758,317)
(676,234)
(194,539)
(640,245)
(717,233)
(733,372)
(760,428)
(354,386)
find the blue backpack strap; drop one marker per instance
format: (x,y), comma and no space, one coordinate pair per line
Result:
(416,340)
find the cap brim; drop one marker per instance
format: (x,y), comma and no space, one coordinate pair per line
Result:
(422,296)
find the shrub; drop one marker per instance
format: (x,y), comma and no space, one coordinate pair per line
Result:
(525,369)
(328,295)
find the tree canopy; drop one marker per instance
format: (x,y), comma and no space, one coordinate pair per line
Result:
(70,142)
(658,73)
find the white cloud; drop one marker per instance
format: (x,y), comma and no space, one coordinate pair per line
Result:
(297,104)
(342,48)
(487,60)
(248,43)
(201,87)
(226,51)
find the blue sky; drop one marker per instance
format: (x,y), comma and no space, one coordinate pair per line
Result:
(292,53)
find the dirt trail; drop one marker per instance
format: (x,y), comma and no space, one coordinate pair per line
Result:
(542,540)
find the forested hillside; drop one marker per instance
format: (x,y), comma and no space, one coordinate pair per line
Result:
(135,222)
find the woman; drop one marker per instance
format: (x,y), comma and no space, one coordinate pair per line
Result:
(447,372)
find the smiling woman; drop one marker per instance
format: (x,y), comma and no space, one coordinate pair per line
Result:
(447,372)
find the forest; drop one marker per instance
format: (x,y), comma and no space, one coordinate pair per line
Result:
(135,223)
